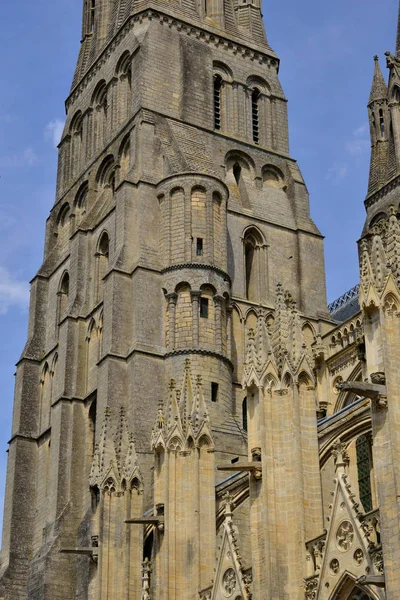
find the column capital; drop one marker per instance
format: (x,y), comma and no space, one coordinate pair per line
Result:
(172,297)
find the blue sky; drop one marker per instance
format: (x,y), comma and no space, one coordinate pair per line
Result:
(326,49)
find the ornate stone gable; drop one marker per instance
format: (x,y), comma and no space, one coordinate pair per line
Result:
(232,581)
(350,548)
(115,461)
(184,418)
(379,263)
(278,343)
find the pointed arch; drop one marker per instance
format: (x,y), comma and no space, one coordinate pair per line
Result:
(304,380)
(102,263)
(63,225)
(124,77)
(92,355)
(80,203)
(99,121)
(45,397)
(390,303)
(237,343)
(124,156)
(105,176)
(253,242)
(308,334)
(63,296)
(347,589)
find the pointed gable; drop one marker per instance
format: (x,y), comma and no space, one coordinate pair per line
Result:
(231,580)
(347,551)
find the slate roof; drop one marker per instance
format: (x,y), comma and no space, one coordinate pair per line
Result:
(346,306)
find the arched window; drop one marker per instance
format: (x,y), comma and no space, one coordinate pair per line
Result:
(63,294)
(244,414)
(217,101)
(76,133)
(255,98)
(102,256)
(364,463)
(249,251)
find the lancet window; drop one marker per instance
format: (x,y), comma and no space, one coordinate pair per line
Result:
(252,266)
(364,463)
(102,263)
(63,294)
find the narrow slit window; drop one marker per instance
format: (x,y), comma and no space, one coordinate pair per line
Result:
(235,460)
(255,97)
(244,414)
(204,308)
(381,123)
(217,101)
(214,392)
(199,247)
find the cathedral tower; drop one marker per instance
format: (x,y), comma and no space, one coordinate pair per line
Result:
(180,259)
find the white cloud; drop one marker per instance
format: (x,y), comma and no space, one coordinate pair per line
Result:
(13,292)
(360,142)
(22,159)
(53,131)
(355,149)
(337,172)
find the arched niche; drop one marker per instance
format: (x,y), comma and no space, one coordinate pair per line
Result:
(254,264)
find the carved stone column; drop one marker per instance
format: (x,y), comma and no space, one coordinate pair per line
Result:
(88,133)
(218,302)
(172,300)
(229,332)
(195,295)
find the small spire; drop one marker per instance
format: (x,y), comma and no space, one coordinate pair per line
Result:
(398,36)
(379,88)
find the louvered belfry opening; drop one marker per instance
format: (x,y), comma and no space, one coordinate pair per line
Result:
(217,101)
(255,115)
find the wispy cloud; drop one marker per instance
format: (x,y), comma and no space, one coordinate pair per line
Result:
(359,143)
(13,292)
(355,149)
(53,131)
(26,158)
(337,172)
